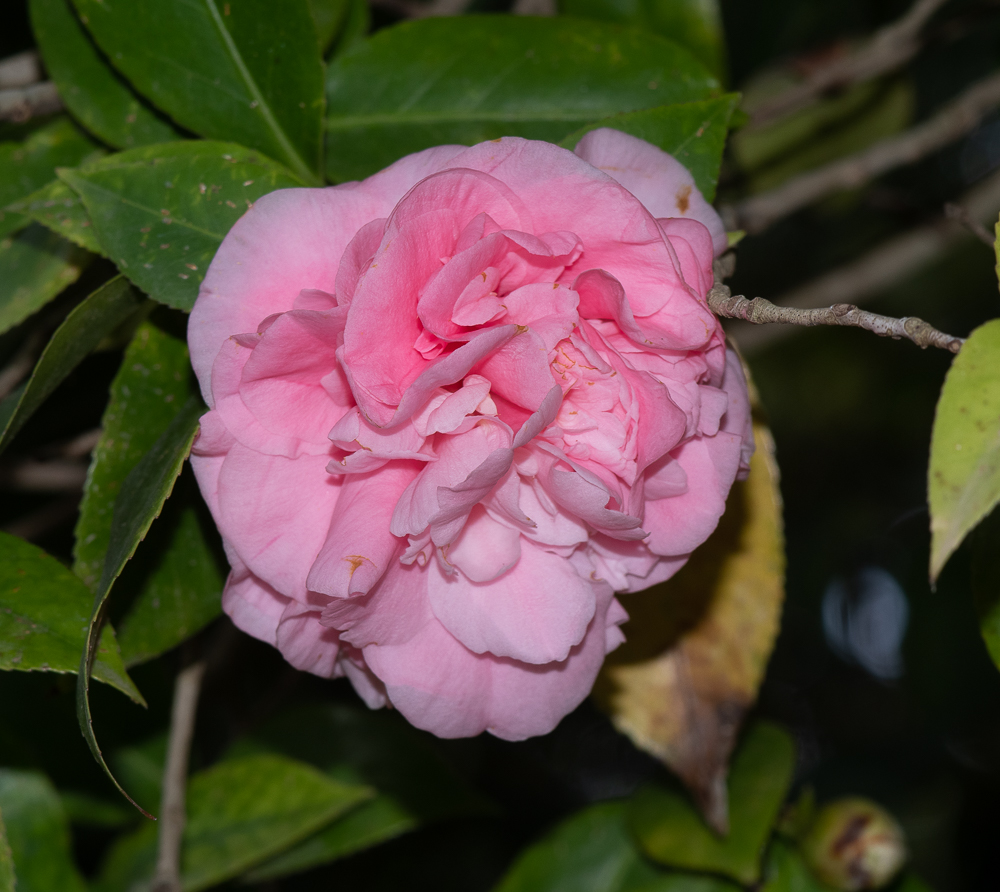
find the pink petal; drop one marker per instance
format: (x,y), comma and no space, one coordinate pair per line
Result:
(252,605)
(658,180)
(484,549)
(307,645)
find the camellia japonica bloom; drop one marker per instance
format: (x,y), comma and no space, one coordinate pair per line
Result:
(456,407)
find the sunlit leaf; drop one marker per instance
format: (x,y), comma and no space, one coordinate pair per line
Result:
(247,71)
(464,80)
(963,479)
(142,495)
(697,646)
(693,132)
(57,207)
(161,212)
(240,812)
(37,834)
(43,618)
(671,832)
(81,331)
(694,24)
(92,90)
(29,165)
(35,265)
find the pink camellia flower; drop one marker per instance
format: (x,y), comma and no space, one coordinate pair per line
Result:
(455,408)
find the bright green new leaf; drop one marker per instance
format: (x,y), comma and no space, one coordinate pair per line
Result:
(963,478)
(152,384)
(181,595)
(43,618)
(8,882)
(590,852)
(37,834)
(26,166)
(695,24)
(464,80)
(81,331)
(693,132)
(59,208)
(329,16)
(161,212)
(142,495)
(35,265)
(670,831)
(239,812)
(91,89)
(247,71)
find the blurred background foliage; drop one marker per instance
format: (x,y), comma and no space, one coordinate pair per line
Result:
(885,685)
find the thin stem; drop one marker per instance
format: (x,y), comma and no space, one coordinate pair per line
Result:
(172,816)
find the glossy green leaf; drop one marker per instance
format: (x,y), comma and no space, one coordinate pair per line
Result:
(693,132)
(695,24)
(357,24)
(161,211)
(182,594)
(28,165)
(963,478)
(142,495)
(8,882)
(369,824)
(986,582)
(59,208)
(92,90)
(670,831)
(81,331)
(43,618)
(35,265)
(37,833)
(590,852)
(152,384)
(329,16)
(463,80)
(247,71)
(239,812)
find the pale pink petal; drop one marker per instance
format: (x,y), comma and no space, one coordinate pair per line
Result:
(252,605)
(658,180)
(485,549)
(307,645)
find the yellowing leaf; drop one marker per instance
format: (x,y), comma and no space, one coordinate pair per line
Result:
(699,644)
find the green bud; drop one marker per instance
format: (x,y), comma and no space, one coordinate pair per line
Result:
(854,844)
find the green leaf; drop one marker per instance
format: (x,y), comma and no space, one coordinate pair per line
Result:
(81,331)
(247,71)
(8,882)
(59,208)
(90,811)
(329,16)
(91,89)
(43,618)
(590,852)
(357,24)
(142,495)
(161,212)
(670,831)
(35,265)
(25,166)
(152,384)
(140,768)
(787,871)
(963,478)
(37,833)
(239,812)
(464,80)
(181,596)
(369,824)
(986,582)
(693,132)
(694,24)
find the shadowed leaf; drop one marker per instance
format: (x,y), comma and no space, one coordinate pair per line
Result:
(57,207)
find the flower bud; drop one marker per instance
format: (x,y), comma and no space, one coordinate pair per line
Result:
(854,844)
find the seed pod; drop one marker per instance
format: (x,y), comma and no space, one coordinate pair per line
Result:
(854,844)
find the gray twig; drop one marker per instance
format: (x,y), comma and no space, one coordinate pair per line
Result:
(187,687)
(889,48)
(29,475)
(20,70)
(18,104)
(760,312)
(956,119)
(961,215)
